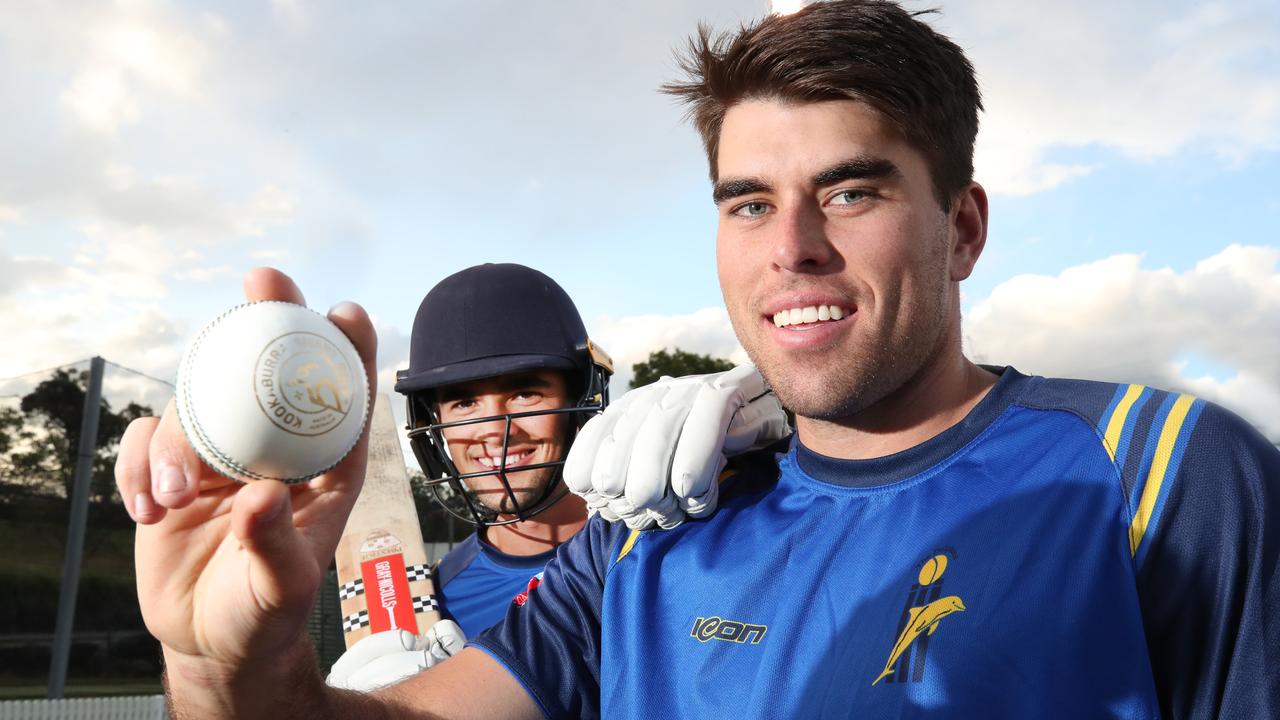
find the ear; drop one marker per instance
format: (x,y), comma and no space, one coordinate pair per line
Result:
(968,230)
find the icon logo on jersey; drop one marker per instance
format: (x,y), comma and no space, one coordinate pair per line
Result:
(924,610)
(523,597)
(714,628)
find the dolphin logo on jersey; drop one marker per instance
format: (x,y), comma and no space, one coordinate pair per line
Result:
(923,619)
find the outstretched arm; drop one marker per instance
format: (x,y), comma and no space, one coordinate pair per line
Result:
(227,574)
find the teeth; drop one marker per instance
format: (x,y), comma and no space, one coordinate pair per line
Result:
(807,315)
(497,462)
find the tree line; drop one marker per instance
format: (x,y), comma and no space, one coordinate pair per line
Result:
(39,439)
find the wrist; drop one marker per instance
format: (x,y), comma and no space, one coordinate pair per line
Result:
(278,687)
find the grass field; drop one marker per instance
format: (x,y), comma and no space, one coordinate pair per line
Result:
(74,688)
(37,549)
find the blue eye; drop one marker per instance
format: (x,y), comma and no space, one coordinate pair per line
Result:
(848,197)
(751,209)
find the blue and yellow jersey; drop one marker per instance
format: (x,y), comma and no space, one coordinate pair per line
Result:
(1069,550)
(477,583)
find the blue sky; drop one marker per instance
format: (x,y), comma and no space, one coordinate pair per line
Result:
(155,150)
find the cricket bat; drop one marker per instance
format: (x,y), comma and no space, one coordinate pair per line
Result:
(384,581)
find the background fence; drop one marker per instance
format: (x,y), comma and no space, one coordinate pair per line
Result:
(146,707)
(110,652)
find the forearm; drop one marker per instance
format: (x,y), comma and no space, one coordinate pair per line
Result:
(281,688)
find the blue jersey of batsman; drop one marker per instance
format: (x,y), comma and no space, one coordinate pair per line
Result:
(477,582)
(1069,550)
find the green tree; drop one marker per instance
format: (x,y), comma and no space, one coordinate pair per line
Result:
(14,435)
(41,455)
(675,363)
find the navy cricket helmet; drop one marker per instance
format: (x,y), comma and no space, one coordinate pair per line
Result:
(483,322)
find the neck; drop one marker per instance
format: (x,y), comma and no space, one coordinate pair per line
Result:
(936,398)
(542,532)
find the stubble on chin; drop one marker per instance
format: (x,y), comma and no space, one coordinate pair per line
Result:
(526,490)
(823,390)
(840,383)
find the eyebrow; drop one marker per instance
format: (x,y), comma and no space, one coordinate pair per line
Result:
(862,167)
(737,187)
(505,383)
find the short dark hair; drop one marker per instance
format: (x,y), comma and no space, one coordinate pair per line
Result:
(872,51)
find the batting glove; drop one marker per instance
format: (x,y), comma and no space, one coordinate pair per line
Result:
(653,457)
(385,658)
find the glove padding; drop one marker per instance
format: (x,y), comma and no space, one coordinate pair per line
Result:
(388,657)
(654,456)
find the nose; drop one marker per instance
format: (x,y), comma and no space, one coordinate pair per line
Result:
(487,431)
(801,245)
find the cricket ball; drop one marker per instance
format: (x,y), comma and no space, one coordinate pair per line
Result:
(272,391)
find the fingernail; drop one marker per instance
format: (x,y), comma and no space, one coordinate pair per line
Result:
(172,480)
(346,307)
(142,505)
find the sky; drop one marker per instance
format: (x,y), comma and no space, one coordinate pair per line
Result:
(154,151)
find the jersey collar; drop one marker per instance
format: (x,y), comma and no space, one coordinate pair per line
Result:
(913,461)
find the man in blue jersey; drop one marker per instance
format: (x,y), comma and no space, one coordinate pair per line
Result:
(940,539)
(501,376)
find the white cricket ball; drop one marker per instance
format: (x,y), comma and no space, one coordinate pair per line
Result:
(272,391)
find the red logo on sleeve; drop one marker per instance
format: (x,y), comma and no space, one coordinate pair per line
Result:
(523,597)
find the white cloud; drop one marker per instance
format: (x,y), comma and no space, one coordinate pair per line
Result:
(393,354)
(75,313)
(270,205)
(185,206)
(1061,76)
(630,340)
(785,7)
(290,13)
(99,98)
(18,272)
(120,388)
(136,50)
(208,274)
(1115,320)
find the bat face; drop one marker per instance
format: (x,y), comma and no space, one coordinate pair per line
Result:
(384,581)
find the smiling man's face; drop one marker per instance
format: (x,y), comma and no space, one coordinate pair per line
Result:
(833,252)
(478,447)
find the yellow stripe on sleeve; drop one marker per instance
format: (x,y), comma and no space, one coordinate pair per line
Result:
(630,543)
(635,534)
(1111,439)
(1159,467)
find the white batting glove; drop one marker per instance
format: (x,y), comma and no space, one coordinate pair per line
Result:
(654,456)
(388,657)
